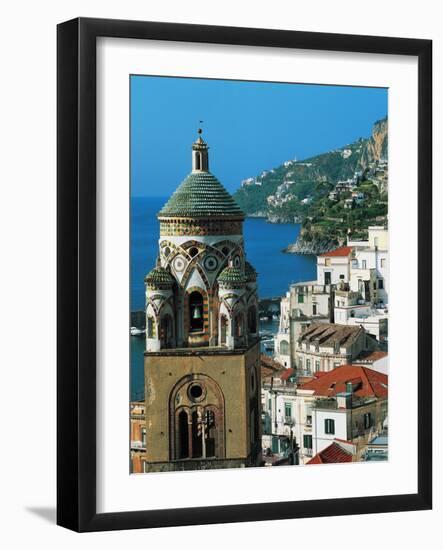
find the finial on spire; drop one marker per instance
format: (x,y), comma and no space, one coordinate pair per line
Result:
(200,130)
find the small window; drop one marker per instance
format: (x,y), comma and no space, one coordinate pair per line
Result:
(317,365)
(383,262)
(327,261)
(367,420)
(239,325)
(329,426)
(342,277)
(150,327)
(380,284)
(301,298)
(284,347)
(314,309)
(288,410)
(307,441)
(308,365)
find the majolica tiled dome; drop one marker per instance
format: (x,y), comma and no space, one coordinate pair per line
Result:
(159,276)
(231,276)
(250,272)
(201,195)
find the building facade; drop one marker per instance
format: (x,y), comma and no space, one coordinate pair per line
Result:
(326,346)
(348,404)
(202,370)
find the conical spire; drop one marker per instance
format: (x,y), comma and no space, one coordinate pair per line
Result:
(201,194)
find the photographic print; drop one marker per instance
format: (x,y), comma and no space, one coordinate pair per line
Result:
(259,260)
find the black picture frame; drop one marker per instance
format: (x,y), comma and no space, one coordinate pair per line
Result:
(76,265)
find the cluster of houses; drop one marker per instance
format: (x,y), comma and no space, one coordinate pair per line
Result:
(376,173)
(324,393)
(324,397)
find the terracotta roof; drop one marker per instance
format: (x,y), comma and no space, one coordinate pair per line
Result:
(331,455)
(286,374)
(329,334)
(342,251)
(367,382)
(268,366)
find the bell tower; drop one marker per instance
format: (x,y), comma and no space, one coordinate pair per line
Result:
(202,375)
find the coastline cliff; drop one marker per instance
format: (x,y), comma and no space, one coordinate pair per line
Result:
(334,195)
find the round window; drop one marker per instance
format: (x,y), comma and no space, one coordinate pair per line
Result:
(179,263)
(196,392)
(211,263)
(237,261)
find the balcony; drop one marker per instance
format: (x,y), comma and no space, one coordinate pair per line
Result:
(345,402)
(324,404)
(288,421)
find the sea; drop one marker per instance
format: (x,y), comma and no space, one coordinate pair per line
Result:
(264,244)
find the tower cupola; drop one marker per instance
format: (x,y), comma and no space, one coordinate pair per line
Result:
(200,159)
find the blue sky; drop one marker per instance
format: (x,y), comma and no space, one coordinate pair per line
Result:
(249,126)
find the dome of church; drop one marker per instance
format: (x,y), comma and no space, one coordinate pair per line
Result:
(250,272)
(201,195)
(159,276)
(231,277)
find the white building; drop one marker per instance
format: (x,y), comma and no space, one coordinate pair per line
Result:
(370,265)
(282,338)
(335,266)
(351,309)
(325,346)
(348,403)
(278,412)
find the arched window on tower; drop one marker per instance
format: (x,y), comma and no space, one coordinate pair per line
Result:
(223,329)
(166,332)
(284,347)
(197,434)
(183,435)
(252,320)
(198,160)
(239,325)
(195,311)
(150,327)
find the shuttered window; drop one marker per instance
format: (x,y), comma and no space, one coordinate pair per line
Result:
(329,426)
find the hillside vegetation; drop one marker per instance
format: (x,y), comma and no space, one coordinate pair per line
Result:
(333,195)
